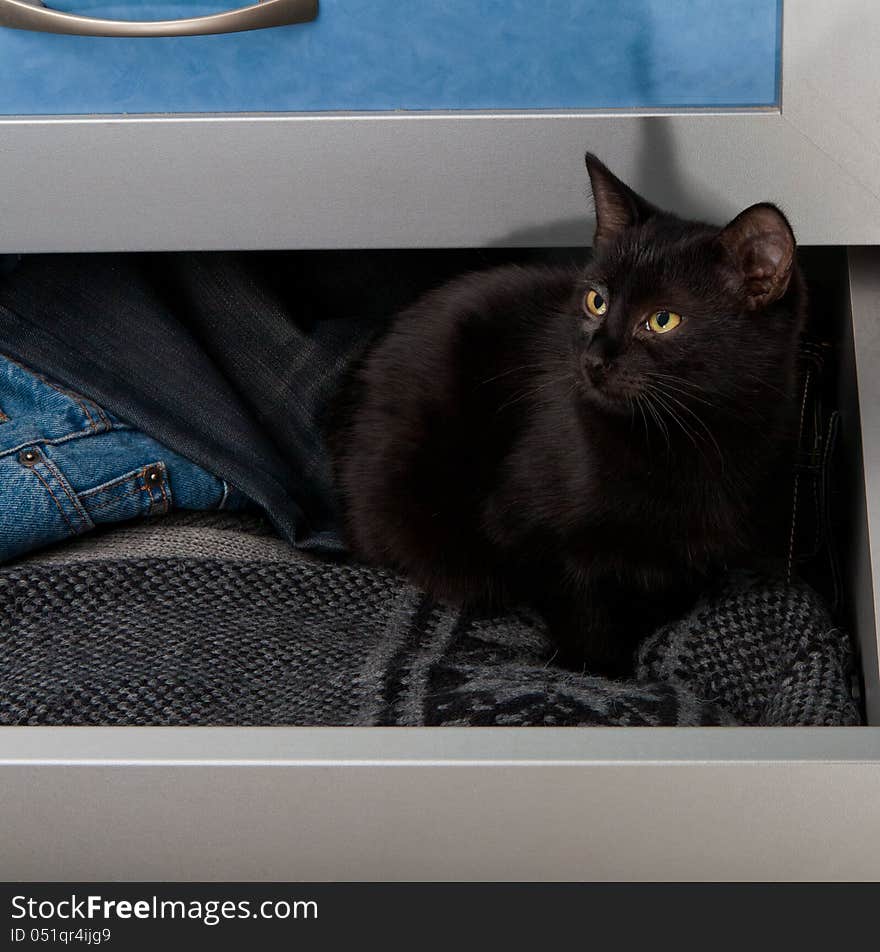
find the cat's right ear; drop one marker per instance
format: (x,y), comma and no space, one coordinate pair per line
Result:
(759,250)
(617,205)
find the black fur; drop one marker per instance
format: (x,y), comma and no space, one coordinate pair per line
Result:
(503,445)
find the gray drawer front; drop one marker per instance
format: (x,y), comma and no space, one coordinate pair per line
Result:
(447,804)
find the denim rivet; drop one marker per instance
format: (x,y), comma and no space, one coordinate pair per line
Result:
(29,456)
(153,475)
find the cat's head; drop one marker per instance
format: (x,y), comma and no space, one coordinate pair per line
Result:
(681,315)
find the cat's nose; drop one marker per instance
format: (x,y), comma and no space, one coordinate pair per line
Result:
(597,357)
(594,366)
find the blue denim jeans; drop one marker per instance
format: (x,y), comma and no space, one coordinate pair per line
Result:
(66,465)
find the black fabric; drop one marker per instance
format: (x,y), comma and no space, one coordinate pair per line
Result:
(229,359)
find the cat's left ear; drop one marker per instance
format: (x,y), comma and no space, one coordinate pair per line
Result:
(759,246)
(617,205)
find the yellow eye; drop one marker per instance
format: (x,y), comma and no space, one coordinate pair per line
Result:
(595,303)
(661,322)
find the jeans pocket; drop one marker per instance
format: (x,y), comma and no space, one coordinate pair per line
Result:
(145,491)
(38,505)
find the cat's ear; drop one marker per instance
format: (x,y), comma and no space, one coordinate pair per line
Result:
(617,205)
(759,246)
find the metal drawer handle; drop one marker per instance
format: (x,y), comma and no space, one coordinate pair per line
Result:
(32,15)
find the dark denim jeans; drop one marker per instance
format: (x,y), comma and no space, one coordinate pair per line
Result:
(229,359)
(66,464)
(203,353)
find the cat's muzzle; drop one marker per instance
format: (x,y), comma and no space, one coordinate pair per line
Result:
(606,389)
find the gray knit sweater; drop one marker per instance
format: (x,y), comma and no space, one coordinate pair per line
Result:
(212,620)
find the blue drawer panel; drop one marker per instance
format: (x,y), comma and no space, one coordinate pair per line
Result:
(416,55)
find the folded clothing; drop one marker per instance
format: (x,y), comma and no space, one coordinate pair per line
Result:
(231,359)
(200,619)
(228,359)
(67,464)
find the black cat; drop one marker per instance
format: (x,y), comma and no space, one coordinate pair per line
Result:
(592,442)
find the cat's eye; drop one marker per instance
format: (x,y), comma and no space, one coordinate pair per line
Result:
(594,303)
(661,322)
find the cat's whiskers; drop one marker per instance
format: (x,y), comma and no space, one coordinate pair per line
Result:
(756,378)
(656,417)
(758,419)
(676,378)
(680,385)
(660,404)
(669,402)
(555,381)
(639,399)
(665,386)
(558,362)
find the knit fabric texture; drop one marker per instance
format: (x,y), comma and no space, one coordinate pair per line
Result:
(210,619)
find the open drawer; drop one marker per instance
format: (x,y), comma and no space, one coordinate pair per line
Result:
(486,804)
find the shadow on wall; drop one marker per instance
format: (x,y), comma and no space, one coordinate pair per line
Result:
(657,177)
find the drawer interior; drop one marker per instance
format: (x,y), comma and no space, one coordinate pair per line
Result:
(825,490)
(305,804)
